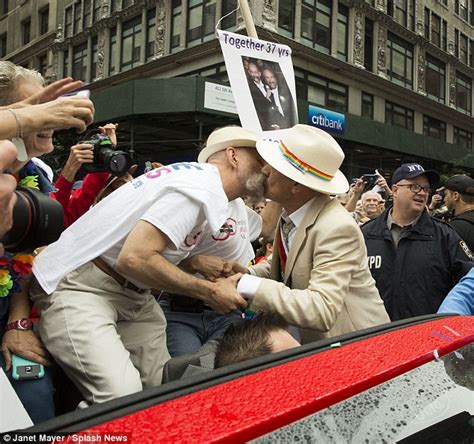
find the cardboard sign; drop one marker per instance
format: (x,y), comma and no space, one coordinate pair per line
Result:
(262,80)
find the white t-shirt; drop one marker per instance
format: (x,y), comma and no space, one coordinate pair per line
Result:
(178,199)
(233,240)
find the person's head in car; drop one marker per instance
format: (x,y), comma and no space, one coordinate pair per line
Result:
(264,334)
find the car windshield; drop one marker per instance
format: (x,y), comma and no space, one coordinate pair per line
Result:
(434,402)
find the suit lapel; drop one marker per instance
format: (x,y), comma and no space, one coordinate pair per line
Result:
(300,235)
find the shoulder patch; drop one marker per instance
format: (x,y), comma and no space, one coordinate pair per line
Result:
(466,250)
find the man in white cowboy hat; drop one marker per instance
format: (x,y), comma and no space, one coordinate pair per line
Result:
(319,278)
(191,323)
(98,317)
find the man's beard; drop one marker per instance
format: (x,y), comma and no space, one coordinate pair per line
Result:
(255,186)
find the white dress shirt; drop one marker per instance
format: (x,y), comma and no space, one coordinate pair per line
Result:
(276,97)
(248,283)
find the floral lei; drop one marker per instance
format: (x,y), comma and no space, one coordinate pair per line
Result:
(13,269)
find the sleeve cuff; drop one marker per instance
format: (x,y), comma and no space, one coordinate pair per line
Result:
(248,286)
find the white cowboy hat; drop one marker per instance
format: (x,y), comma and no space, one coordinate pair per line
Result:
(227,136)
(307,155)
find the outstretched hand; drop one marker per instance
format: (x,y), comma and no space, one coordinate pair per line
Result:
(53,91)
(224,297)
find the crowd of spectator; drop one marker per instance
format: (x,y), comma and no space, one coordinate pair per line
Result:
(243,253)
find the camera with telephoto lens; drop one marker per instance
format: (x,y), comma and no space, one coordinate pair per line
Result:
(37,221)
(106,157)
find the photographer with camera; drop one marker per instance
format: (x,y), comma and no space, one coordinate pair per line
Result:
(75,204)
(364,184)
(29,124)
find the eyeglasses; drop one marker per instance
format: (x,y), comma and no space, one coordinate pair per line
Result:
(415,188)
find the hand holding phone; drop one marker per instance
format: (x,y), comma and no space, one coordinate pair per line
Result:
(25,369)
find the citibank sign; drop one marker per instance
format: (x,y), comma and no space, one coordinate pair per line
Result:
(329,121)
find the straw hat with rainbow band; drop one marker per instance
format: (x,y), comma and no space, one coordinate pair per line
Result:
(307,155)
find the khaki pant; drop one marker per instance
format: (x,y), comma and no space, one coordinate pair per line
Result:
(110,341)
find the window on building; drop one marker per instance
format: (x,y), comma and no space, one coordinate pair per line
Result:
(95,52)
(411,15)
(3,45)
(176,24)
(66,63)
(87,14)
(436,30)
(43,64)
(79,61)
(471,54)
(434,128)
(397,115)
(126,3)
(367,105)
(3,7)
(435,79)
(96,5)
(113,50)
(463,93)
(131,43)
(369,44)
(461,8)
(462,138)
(390,8)
(402,11)
(456,43)
(286,17)
(427,23)
(444,35)
(201,21)
(463,54)
(115,5)
(316,24)
(43,18)
(150,33)
(68,22)
(26,31)
(227,7)
(399,61)
(342,20)
(76,26)
(326,93)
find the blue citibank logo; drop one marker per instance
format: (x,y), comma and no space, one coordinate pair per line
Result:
(329,121)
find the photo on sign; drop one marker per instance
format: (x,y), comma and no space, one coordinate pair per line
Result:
(271,96)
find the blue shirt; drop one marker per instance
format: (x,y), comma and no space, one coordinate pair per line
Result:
(460,299)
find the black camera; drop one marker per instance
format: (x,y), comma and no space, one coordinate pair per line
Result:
(37,221)
(370,178)
(106,157)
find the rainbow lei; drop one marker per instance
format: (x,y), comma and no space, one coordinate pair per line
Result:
(13,269)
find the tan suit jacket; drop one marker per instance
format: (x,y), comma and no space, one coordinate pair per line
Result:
(328,288)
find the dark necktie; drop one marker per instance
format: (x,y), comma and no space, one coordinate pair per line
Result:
(283,247)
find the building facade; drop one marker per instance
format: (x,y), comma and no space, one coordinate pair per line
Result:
(400,70)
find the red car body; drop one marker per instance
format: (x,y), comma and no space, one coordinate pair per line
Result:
(249,400)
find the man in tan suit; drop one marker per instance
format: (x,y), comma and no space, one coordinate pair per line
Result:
(319,278)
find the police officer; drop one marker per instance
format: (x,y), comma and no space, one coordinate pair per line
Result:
(414,258)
